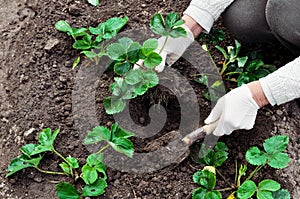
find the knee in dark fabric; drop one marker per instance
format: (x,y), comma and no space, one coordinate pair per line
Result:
(246,20)
(283,18)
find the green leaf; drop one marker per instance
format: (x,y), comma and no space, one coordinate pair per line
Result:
(133,52)
(78,32)
(178,32)
(122,68)
(125,42)
(89,54)
(276,144)
(223,51)
(281,194)
(94,2)
(65,167)
(216,35)
(73,162)
(242,61)
(122,145)
(203,79)
(264,195)
(65,190)
(152,60)
(214,157)
(260,73)
(268,185)
(28,149)
(76,62)
(237,47)
(246,190)
(114,105)
(134,76)
(157,25)
(242,170)
(140,89)
(63,26)
(46,137)
(115,24)
(22,162)
(151,78)
(89,174)
(81,45)
(254,65)
(98,134)
(116,131)
(199,193)
(245,78)
(205,178)
(255,156)
(41,149)
(99,30)
(278,160)
(94,159)
(213,195)
(96,189)
(116,52)
(149,46)
(171,19)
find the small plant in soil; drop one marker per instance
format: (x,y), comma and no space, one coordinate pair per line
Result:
(234,68)
(90,40)
(273,155)
(93,172)
(127,53)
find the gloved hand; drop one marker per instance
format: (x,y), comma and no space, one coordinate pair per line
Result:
(235,110)
(173,49)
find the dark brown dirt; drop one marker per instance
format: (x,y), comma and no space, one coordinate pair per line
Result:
(36,85)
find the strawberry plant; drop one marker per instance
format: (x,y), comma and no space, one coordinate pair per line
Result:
(273,155)
(240,70)
(90,40)
(245,69)
(93,173)
(126,53)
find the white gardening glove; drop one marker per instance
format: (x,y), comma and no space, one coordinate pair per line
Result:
(173,49)
(235,110)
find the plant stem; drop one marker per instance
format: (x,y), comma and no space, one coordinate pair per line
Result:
(57,153)
(50,172)
(236,173)
(255,171)
(219,173)
(163,45)
(225,189)
(103,149)
(64,159)
(224,67)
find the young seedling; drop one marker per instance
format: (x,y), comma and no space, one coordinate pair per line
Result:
(93,173)
(273,155)
(90,40)
(245,69)
(126,53)
(207,177)
(207,181)
(240,70)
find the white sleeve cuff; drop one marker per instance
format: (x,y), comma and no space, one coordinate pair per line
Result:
(202,17)
(282,85)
